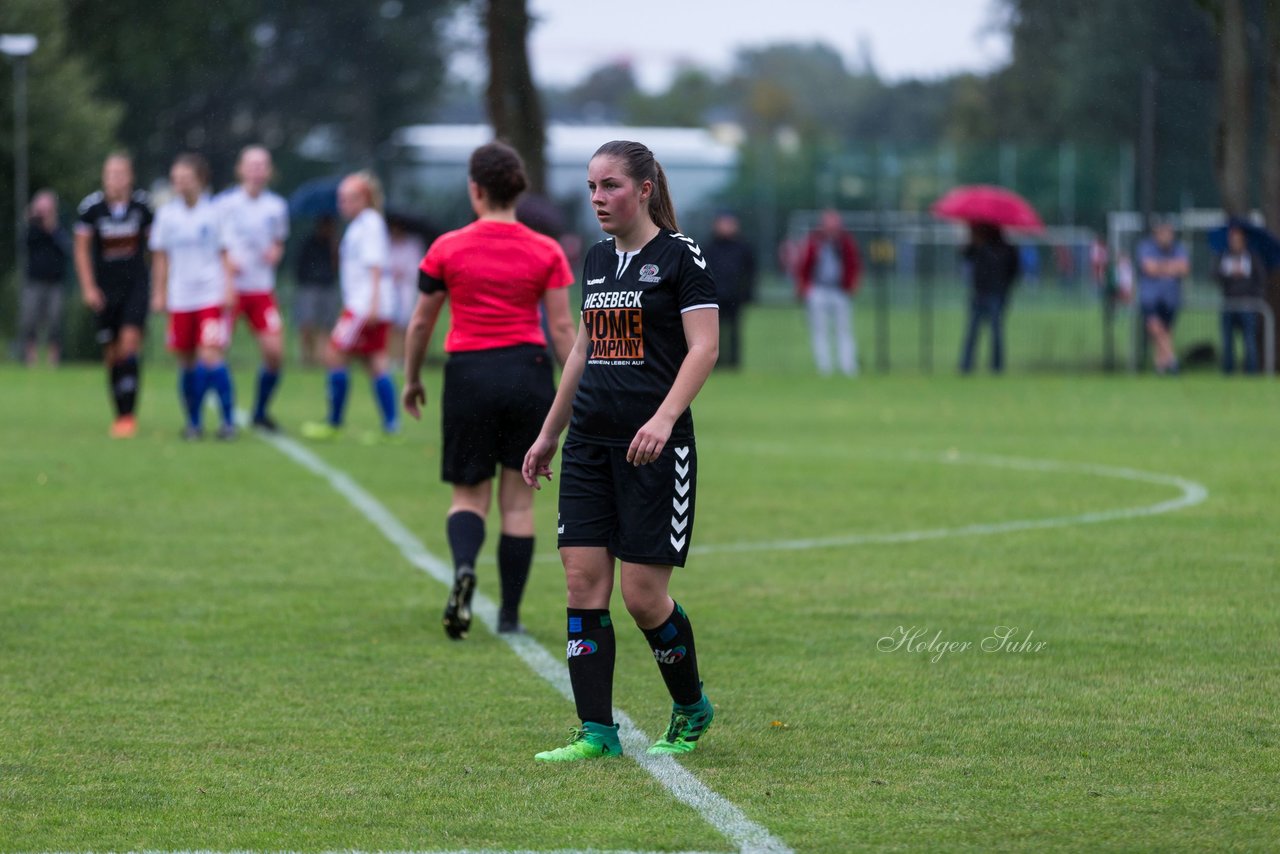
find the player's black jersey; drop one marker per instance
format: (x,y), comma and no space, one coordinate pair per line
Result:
(632,306)
(119,238)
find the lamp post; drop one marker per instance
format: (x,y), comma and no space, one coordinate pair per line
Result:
(18,47)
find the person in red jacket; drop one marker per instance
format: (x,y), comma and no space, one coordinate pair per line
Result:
(826,279)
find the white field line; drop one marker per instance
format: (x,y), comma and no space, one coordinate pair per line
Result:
(720,813)
(454,851)
(1192,493)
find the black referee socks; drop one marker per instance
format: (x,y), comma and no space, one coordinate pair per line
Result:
(515,555)
(590,654)
(466,535)
(672,645)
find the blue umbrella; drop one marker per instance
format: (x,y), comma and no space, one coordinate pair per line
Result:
(1261,242)
(317,197)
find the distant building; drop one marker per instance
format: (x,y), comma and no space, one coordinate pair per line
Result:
(427,167)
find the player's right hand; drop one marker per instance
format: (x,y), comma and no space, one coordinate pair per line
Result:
(537,462)
(414,398)
(94,298)
(157,303)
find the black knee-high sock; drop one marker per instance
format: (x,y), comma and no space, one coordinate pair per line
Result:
(124,384)
(590,653)
(515,554)
(466,535)
(672,644)
(113,386)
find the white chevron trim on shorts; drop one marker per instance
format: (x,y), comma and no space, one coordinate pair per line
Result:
(680,520)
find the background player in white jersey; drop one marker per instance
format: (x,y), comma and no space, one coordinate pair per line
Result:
(255,224)
(110,256)
(188,280)
(628,483)
(367,305)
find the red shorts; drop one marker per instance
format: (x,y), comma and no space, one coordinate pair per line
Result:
(359,337)
(261,312)
(205,327)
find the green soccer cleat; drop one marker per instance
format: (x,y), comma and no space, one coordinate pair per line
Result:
(319,431)
(688,724)
(590,741)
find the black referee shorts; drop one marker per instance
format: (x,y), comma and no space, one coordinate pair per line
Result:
(492,409)
(641,514)
(126,305)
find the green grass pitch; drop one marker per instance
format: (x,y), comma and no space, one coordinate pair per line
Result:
(203,646)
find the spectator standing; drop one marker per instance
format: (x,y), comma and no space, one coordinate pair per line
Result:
(734,265)
(48,250)
(1242,276)
(1162,264)
(827,278)
(316,300)
(993,268)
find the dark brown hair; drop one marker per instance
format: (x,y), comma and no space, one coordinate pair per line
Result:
(640,165)
(197,164)
(498,170)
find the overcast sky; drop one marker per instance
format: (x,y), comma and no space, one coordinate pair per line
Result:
(906,38)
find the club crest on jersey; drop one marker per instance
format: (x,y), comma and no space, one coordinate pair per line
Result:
(579,647)
(649,274)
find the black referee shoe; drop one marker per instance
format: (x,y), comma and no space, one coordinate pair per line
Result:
(457,612)
(266,424)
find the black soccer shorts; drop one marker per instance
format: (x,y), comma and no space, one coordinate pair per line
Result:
(641,514)
(492,409)
(127,304)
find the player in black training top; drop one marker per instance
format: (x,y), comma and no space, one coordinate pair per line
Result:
(110,255)
(648,340)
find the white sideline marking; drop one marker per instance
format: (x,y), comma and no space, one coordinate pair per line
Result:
(720,813)
(454,851)
(1192,494)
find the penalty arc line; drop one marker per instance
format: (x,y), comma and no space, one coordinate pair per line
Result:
(723,815)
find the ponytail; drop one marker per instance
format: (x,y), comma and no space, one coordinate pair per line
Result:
(661,209)
(640,165)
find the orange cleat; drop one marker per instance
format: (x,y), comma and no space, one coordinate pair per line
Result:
(125,427)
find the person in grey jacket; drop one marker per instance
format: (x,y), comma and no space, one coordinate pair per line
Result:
(1241,275)
(48,251)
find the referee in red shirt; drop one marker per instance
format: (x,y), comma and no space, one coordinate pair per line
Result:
(498,386)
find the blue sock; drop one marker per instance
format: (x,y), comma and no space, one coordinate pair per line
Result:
(384,388)
(220,382)
(267,380)
(195,382)
(337,395)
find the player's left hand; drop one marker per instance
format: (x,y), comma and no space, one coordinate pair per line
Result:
(413,398)
(649,441)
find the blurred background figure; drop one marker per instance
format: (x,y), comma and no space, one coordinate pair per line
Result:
(993,266)
(40,308)
(827,278)
(190,282)
(404,254)
(255,224)
(315,307)
(1162,264)
(362,328)
(1241,275)
(110,254)
(733,263)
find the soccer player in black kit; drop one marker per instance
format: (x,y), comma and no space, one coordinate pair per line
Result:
(648,341)
(110,247)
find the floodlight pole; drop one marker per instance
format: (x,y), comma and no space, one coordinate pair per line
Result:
(18,47)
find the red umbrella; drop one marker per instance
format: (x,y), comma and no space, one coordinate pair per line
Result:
(981,203)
